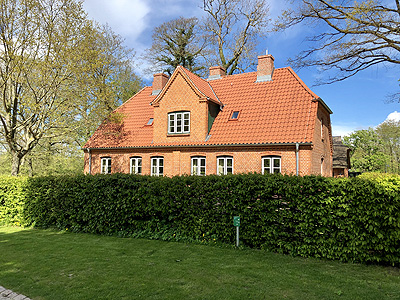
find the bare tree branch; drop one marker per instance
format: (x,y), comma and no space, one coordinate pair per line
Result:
(234,27)
(356,35)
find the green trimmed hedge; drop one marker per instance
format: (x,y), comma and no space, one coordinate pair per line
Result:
(12,199)
(355,220)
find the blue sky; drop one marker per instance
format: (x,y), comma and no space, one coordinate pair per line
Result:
(357,103)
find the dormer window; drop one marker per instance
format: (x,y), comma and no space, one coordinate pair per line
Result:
(179,122)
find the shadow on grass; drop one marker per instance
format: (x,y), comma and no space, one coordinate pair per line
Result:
(47,264)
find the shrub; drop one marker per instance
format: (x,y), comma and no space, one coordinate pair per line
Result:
(12,198)
(355,219)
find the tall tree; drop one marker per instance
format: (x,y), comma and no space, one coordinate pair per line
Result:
(46,46)
(367,151)
(175,43)
(39,40)
(389,134)
(105,80)
(234,28)
(351,35)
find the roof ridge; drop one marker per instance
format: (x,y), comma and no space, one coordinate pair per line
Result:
(186,71)
(187,75)
(214,93)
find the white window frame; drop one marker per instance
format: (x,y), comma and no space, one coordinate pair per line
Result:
(198,165)
(179,122)
(105,165)
(157,166)
(136,165)
(272,168)
(223,169)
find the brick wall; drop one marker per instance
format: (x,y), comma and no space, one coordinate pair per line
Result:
(177,161)
(322,144)
(181,97)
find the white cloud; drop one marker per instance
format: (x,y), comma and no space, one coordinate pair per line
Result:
(126,17)
(342,130)
(346,129)
(394,116)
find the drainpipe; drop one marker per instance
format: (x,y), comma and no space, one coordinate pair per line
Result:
(90,162)
(297,159)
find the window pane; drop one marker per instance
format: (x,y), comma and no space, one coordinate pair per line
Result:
(161,162)
(194,166)
(153,166)
(267,163)
(202,171)
(161,171)
(229,170)
(277,163)
(235,115)
(109,166)
(229,162)
(221,166)
(133,166)
(178,122)
(203,162)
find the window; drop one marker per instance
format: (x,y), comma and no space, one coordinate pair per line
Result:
(157,166)
(150,122)
(322,165)
(322,129)
(224,165)
(179,122)
(271,164)
(136,165)
(235,115)
(106,165)
(198,165)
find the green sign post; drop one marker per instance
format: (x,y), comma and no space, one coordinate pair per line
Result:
(236,223)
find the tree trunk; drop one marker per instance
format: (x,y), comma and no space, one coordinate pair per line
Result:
(15,163)
(30,166)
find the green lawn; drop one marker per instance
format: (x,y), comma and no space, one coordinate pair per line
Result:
(45,264)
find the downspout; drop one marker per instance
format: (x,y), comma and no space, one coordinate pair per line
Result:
(297,159)
(90,162)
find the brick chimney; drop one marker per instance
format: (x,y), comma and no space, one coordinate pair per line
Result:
(159,81)
(216,73)
(265,68)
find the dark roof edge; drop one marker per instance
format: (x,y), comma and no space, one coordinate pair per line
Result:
(324,104)
(199,145)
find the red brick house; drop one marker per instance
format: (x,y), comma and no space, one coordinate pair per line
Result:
(267,121)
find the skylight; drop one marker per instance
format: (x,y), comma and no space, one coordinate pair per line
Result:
(235,115)
(150,122)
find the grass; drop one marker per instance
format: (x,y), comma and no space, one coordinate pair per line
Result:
(46,264)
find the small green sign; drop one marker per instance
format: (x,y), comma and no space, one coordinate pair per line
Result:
(236,221)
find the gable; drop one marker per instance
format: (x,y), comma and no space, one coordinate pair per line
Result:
(180,97)
(199,86)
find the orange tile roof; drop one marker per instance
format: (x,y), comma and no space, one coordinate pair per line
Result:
(280,111)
